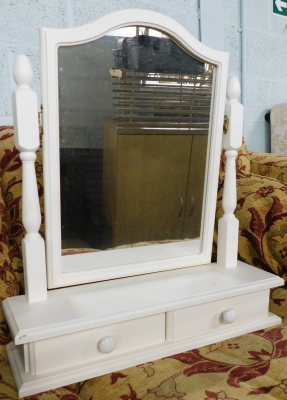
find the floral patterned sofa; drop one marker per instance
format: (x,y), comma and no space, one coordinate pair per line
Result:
(252,366)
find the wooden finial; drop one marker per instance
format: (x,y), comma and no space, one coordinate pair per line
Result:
(232,139)
(25,107)
(22,71)
(233,89)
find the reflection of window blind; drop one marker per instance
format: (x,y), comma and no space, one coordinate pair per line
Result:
(162,100)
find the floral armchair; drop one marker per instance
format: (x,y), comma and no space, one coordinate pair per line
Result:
(261,209)
(252,366)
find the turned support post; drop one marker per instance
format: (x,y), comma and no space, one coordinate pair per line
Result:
(228,225)
(26,127)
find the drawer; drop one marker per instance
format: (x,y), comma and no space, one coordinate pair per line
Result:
(217,315)
(94,344)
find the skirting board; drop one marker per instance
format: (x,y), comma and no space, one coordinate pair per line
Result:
(28,384)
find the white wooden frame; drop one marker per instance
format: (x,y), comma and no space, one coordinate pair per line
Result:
(67,270)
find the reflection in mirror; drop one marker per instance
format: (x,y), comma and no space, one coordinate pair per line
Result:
(134,121)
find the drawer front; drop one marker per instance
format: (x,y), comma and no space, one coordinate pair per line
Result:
(217,315)
(95,344)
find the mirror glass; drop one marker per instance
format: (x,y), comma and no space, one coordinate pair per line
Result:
(135,110)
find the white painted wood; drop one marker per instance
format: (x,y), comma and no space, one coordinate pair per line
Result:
(78,308)
(58,269)
(234,110)
(228,225)
(107,344)
(88,345)
(230,315)
(79,317)
(212,23)
(29,384)
(121,261)
(70,316)
(26,356)
(26,128)
(208,317)
(25,109)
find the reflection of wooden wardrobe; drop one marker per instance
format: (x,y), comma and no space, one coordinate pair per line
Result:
(153,183)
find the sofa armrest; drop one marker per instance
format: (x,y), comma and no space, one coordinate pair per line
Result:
(269,165)
(11,227)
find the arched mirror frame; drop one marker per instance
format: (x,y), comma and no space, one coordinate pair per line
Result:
(58,273)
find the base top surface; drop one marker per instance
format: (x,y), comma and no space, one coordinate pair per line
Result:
(87,306)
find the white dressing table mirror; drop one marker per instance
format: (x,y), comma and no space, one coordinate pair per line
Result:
(136,143)
(128,264)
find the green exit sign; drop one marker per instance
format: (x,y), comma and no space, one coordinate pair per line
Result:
(280,7)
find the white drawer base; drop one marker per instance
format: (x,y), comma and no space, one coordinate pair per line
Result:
(29,384)
(208,317)
(150,317)
(83,347)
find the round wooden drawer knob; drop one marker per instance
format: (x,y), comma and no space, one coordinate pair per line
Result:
(229,316)
(107,344)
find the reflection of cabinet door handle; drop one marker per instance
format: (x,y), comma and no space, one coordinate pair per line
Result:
(181,203)
(191,206)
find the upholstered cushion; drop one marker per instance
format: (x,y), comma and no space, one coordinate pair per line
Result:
(269,165)
(10,204)
(262,212)
(11,228)
(242,163)
(278,119)
(9,277)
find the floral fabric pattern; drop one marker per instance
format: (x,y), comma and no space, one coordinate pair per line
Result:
(261,210)
(268,165)
(11,227)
